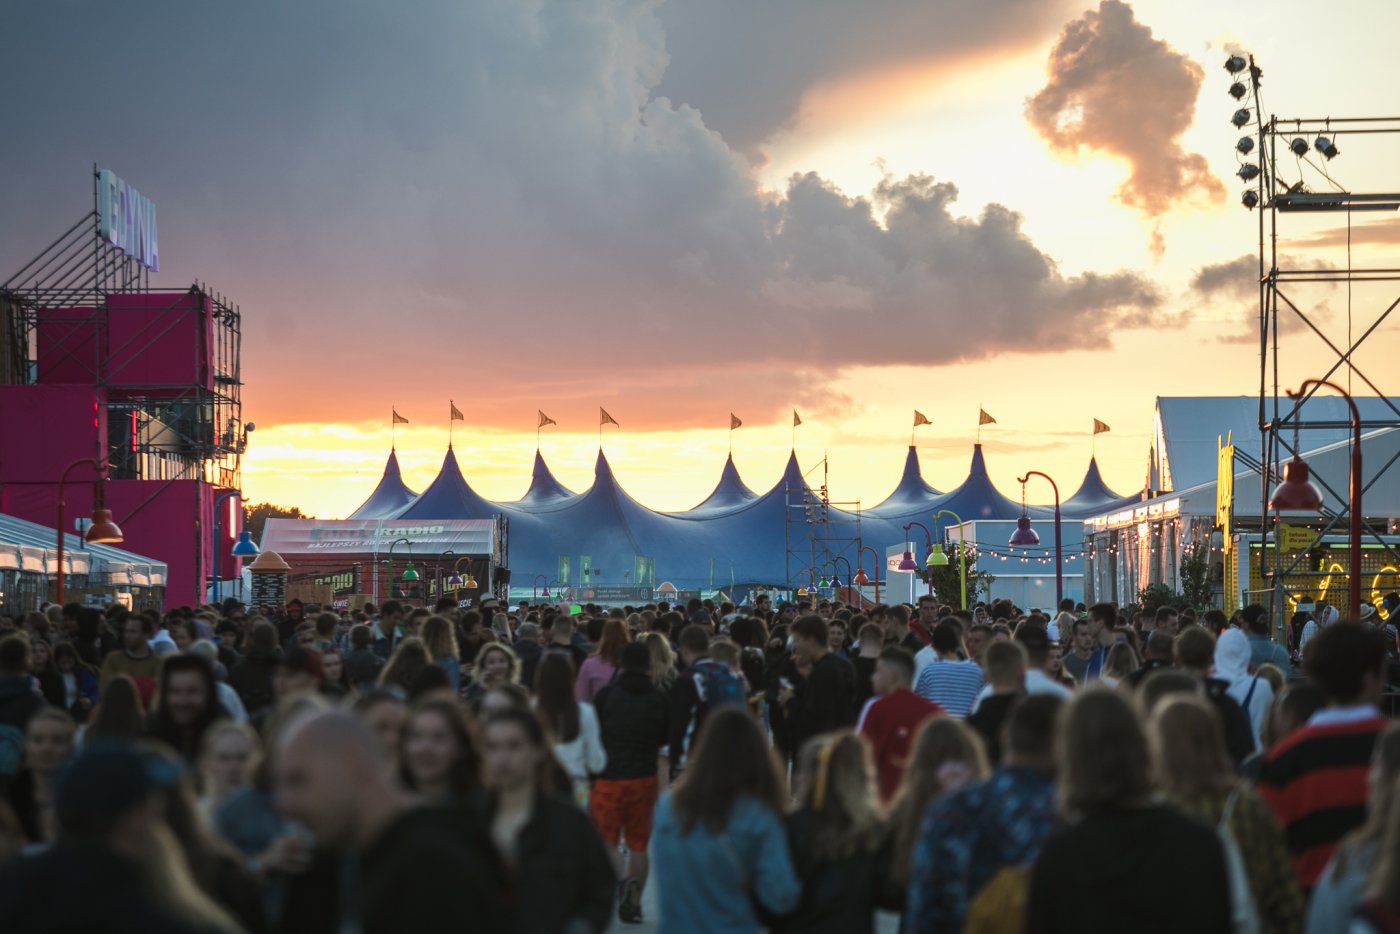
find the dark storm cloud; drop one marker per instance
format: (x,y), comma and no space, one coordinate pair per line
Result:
(494,190)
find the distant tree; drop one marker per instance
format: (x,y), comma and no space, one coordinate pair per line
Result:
(947,580)
(1197,586)
(255,517)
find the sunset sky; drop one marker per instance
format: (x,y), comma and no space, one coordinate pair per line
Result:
(679,209)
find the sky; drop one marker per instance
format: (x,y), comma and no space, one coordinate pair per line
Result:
(683,209)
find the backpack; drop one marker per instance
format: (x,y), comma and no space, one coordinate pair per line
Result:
(11,749)
(999,907)
(1244,917)
(721,686)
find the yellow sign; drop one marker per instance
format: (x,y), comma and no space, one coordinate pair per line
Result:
(1225,485)
(1292,538)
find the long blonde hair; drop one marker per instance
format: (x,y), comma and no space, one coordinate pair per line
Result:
(438,638)
(835,783)
(1188,745)
(663,659)
(939,741)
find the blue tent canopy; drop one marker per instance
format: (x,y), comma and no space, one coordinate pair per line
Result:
(912,495)
(449,496)
(730,493)
(389,497)
(545,491)
(1093,495)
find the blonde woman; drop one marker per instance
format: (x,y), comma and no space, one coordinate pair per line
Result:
(835,835)
(663,660)
(947,754)
(441,644)
(1118,664)
(495,664)
(1194,772)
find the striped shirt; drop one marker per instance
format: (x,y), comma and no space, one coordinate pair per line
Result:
(1315,780)
(952,685)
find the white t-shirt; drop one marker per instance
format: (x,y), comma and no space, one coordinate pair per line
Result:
(584,754)
(1037,682)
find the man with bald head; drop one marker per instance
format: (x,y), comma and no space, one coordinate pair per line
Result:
(412,867)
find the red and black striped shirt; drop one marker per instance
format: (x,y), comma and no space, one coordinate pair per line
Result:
(1315,780)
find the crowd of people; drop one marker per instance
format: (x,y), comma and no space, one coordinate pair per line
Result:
(795,768)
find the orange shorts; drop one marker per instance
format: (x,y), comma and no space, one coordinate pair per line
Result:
(622,809)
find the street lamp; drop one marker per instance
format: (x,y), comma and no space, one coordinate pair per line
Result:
(860,579)
(535,588)
(437,571)
(1299,494)
(243,548)
(939,558)
(850,579)
(909,556)
(390,574)
(103,530)
(1025,535)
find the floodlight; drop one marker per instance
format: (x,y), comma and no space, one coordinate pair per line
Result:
(1236,64)
(1250,199)
(1299,146)
(1245,145)
(1249,171)
(1238,91)
(1325,146)
(1241,117)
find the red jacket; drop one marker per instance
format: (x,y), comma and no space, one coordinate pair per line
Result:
(890,724)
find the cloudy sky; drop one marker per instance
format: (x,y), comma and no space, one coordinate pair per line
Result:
(681,208)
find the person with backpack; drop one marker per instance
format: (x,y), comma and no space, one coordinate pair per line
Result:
(634,715)
(703,685)
(1194,773)
(975,845)
(825,698)
(1254,695)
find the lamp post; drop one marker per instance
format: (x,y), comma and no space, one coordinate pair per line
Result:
(1300,494)
(836,584)
(909,557)
(940,558)
(243,548)
(1025,535)
(860,579)
(102,531)
(535,588)
(390,575)
(457,581)
(437,570)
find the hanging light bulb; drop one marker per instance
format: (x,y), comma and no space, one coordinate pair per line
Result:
(1245,145)
(1250,199)
(1238,91)
(1241,117)
(1249,171)
(1236,64)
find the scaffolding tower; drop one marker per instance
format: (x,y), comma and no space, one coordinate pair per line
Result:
(817,531)
(1292,178)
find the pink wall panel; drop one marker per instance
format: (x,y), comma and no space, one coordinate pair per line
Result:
(159,339)
(69,345)
(43,429)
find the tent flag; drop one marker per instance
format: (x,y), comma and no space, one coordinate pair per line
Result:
(1100,427)
(457,415)
(734,421)
(398,419)
(920,419)
(605,419)
(796,419)
(985,419)
(394,423)
(544,420)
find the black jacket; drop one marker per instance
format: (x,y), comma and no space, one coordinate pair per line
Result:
(252,679)
(634,716)
(838,896)
(529,652)
(563,879)
(431,870)
(37,895)
(824,701)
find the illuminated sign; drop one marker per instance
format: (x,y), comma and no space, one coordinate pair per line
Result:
(127,220)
